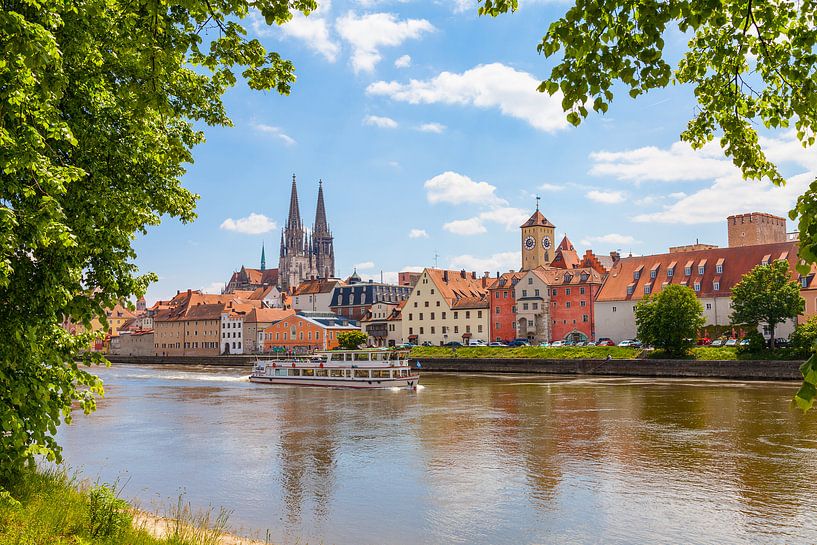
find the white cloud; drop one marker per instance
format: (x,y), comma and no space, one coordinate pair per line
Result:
(731,195)
(418,233)
(503,261)
(213,287)
(403,61)
(378,121)
(389,277)
(312,30)
(609,239)
(455,188)
(365,265)
(679,162)
(254,224)
(274,131)
(486,86)
(470,226)
(551,187)
(368,33)
(432,127)
(606,197)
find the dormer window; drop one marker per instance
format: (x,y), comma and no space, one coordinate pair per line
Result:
(697,286)
(630,289)
(670,272)
(719,266)
(688,268)
(702,267)
(647,289)
(804,281)
(653,274)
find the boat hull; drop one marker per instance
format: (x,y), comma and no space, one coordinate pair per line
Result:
(409,382)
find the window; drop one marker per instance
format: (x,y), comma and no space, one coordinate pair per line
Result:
(432,330)
(555,292)
(411,330)
(530,323)
(432,291)
(701,269)
(530,280)
(670,272)
(415,304)
(536,292)
(479,329)
(567,291)
(804,281)
(438,303)
(647,288)
(719,268)
(697,286)
(496,325)
(443,315)
(582,303)
(535,306)
(709,306)
(479,314)
(716,286)
(467,314)
(497,310)
(687,270)
(425,304)
(524,293)
(504,294)
(630,289)
(468,329)
(653,273)
(421,316)
(432,315)
(456,315)
(567,304)
(585,318)
(524,306)
(513,309)
(456,329)
(411,316)
(581,290)
(637,274)
(614,309)
(496,295)
(421,331)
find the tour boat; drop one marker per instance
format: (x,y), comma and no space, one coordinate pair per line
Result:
(340,369)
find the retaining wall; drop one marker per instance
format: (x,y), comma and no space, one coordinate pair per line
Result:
(734,369)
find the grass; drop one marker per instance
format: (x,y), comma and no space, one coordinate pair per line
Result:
(703,353)
(51,507)
(537,352)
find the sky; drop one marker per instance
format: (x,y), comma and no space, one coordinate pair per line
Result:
(423,121)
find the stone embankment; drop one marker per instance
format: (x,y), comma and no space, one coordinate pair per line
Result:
(724,369)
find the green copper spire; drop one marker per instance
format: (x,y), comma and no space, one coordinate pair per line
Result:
(263,259)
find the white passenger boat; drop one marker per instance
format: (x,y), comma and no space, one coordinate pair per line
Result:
(340,369)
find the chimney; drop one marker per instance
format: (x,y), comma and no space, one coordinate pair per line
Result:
(487,274)
(616,256)
(485,281)
(474,275)
(188,291)
(497,274)
(462,273)
(445,276)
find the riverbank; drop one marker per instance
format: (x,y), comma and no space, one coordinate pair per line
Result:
(49,507)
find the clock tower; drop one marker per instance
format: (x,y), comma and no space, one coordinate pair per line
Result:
(537,241)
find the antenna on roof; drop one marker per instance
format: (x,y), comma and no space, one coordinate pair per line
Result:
(436,256)
(537,202)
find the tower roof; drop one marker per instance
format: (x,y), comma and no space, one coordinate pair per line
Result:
(263,258)
(565,244)
(294,218)
(537,219)
(321,225)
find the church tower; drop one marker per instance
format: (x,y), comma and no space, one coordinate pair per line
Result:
(295,262)
(537,241)
(323,246)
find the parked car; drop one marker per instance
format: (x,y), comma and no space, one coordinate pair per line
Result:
(626,343)
(557,344)
(731,342)
(717,342)
(496,343)
(544,344)
(476,342)
(781,343)
(519,342)
(744,342)
(704,341)
(453,344)
(406,345)
(581,343)
(591,343)
(427,343)
(605,341)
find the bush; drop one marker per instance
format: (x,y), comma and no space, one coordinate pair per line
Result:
(108,514)
(351,340)
(670,319)
(756,345)
(805,336)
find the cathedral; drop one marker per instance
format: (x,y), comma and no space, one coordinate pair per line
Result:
(305,255)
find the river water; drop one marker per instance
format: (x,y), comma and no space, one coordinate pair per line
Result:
(465,459)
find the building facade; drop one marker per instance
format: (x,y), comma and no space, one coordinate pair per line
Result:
(305,332)
(503,306)
(537,241)
(314,295)
(447,306)
(381,324)
(133,343)
(353,300)
(305,255)
(256,321)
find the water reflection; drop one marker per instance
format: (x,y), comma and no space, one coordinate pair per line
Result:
(467,459)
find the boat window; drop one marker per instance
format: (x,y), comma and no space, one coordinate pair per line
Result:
(380,373)
(308,372)
(280,372)
(404,372)
(336,373)
(364,356)
(321,372)
(361,373)
(347,357)
(294,372)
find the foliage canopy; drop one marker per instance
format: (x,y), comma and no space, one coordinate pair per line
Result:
(670,319)
(99,102)
(766,295)
(352,340)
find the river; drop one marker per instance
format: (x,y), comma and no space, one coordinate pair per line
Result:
(465,459)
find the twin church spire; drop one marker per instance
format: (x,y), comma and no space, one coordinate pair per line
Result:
(303,254)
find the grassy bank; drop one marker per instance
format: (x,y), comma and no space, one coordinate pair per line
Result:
(537,352)
(703,353)
(52,508)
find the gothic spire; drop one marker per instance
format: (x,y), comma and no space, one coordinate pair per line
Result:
(321,226)
(294,219)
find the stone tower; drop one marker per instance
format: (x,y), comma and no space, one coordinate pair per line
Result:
(755,228)
(295,262)
(537,241)
(323,247)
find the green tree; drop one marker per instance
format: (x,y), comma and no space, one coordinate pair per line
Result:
(804,338)
(748,63)
(101,103)
(670,319)
(351,340)
(766,295)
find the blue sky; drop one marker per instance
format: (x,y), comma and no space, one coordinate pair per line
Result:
(423,122)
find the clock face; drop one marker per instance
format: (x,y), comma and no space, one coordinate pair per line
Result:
(546,243)
(530,243)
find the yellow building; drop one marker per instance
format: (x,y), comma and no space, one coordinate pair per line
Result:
(537,242)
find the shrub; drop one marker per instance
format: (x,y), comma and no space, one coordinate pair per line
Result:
(805,336)
(108,514)
(669,319)
(351,340)
(756,345)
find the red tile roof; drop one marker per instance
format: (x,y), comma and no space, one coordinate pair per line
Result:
(736,262)
(267,315)
(317,286)
(537,219)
